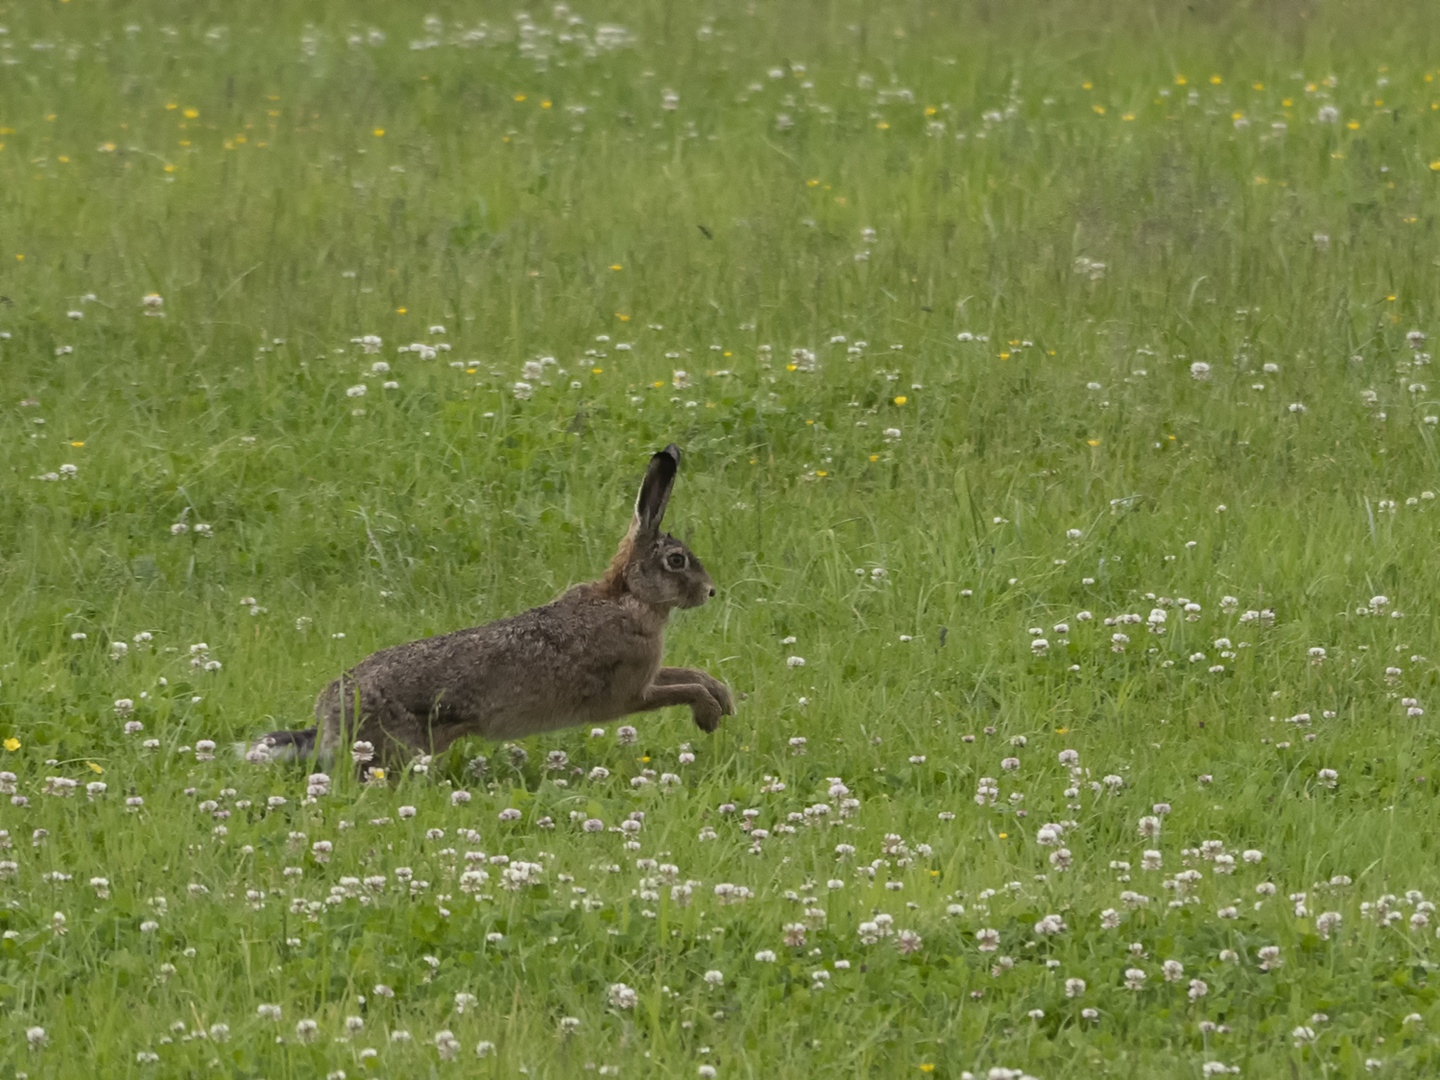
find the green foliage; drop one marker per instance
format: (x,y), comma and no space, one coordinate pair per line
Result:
(1134,287)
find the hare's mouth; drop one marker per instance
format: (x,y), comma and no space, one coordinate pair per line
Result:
(699,596)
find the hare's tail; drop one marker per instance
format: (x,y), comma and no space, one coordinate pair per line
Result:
(280,746)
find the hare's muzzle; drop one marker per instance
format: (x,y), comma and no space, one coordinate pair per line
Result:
(699,590)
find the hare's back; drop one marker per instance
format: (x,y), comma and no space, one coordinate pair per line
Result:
(543,668)
(480,655)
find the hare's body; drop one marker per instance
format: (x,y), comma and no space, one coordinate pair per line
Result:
(574,661)
(591,656)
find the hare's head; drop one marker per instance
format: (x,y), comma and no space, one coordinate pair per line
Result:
(654,566)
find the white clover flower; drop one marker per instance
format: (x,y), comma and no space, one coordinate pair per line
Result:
(447,1045)
(622,996)
(1050,924)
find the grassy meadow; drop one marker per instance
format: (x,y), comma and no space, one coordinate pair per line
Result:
(1052,381)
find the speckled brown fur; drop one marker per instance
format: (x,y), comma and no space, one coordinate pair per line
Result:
(590,656)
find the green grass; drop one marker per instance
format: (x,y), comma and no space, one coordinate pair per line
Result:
(285,192)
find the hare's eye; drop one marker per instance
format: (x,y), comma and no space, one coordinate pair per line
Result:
(675,561)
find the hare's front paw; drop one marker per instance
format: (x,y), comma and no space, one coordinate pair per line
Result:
(721,693)
(708,710)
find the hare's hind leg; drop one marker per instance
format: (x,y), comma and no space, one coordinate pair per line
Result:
(356,710)
(335,714)
(396,733)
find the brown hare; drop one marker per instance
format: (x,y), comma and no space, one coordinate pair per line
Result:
(590,656)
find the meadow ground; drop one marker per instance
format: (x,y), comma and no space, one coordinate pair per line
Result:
(1053,387)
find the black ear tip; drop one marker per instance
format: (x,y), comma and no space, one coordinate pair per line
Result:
(655,489)
(666,462)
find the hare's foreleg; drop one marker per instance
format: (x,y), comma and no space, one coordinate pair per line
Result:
(670,676)
(704,706)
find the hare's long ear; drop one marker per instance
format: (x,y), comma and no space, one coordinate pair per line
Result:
(654,494)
